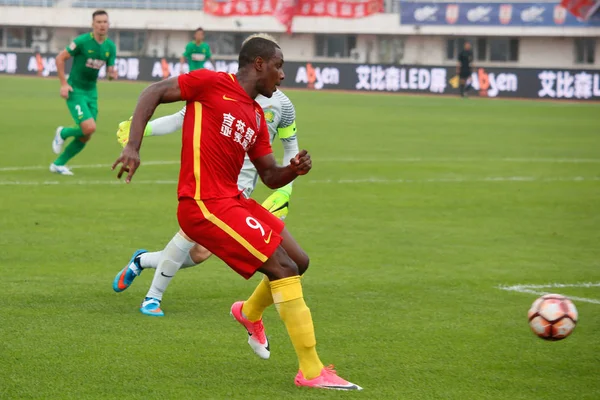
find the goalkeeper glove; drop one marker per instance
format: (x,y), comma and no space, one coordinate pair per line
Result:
(123,132)
(278,204)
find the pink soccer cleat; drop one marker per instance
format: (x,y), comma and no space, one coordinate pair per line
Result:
(256,331)
(327,380)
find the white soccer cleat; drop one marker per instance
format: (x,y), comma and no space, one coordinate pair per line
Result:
(58,141)
(60,169)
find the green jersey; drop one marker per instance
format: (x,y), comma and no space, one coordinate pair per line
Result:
(89,57)
(197,54)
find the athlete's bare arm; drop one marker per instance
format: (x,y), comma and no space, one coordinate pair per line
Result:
(166,91)
(65,88)
(275,176)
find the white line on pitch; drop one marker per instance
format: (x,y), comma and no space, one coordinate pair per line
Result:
(40,167)
(68,181)
(535,289)
(84,183)
(552,285)
(460,180)
(457,159)
(349,160)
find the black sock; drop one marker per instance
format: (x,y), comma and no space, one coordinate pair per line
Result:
(462,89)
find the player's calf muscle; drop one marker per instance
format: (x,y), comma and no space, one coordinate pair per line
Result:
(199,254)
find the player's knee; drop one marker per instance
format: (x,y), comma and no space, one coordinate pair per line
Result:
(287,268)
(302,262)
(280,266)
(88,129)
(199,254)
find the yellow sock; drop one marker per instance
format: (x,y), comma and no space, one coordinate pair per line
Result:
(287,296)
(260,299)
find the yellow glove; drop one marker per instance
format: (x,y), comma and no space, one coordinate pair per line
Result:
(278,204)
(123,132)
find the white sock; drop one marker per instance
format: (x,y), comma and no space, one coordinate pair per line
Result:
(150,260)
(173,257)
(165,125)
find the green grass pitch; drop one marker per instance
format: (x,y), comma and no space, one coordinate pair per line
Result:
(416,210)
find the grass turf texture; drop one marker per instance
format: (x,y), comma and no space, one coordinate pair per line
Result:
(402,284)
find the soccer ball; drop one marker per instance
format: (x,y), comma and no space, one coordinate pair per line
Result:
(552,317)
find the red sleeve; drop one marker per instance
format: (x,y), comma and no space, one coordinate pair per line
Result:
(262,145)
(196,85)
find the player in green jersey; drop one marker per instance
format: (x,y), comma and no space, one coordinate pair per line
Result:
(90,52)
(197,52)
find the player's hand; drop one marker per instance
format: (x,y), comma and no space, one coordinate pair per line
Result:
(130,160)
(113,74)
(302,163)
(123,132)
(278,204)
(65,90)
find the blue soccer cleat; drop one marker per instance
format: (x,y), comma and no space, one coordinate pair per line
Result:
(151,306)
(132,270)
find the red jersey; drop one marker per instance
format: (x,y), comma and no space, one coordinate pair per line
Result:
(222,123)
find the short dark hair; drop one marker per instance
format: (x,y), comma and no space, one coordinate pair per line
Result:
(256,47)
(99,12)
(199,30)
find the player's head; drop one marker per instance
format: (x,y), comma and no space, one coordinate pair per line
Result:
(467,46)
(199,35)
(100,23)
(262,57)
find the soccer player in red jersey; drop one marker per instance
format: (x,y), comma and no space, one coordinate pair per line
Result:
(223,122)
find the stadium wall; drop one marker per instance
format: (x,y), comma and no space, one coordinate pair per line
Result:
(167,32)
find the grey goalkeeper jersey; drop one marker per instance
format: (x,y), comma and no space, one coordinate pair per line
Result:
(280,116)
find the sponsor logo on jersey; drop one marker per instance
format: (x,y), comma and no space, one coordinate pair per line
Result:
(94,63)
(269,115)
